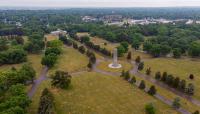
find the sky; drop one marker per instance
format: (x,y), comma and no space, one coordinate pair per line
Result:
(100,3)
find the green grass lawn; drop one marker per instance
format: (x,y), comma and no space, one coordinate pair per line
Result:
(178,67)
(95,93)
(169,95)
(104,66)
(70,60)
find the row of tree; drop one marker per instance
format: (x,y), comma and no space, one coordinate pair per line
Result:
(175,82)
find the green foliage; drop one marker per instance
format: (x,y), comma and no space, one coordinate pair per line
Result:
(3,44)
(13,56)
(61,79)
(194,49)
(125,45)
(157,75)
(148,71)
(49,60)
(142,85)
(127,75)
(176,53)
(85,39)
(152,90)
(54,43)
(150,109)
(54,50)
(133,79)
(26,73)
(141,66)
(176,103)
(82,49)
(46,105)
(138,59)
(121,50)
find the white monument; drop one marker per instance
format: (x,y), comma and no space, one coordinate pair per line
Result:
(115,64)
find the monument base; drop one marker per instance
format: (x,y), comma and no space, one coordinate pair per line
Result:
(114,65)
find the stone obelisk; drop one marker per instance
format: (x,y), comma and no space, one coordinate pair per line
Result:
(115,63)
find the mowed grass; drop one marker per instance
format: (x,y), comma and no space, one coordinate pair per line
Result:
(96,93)
(104,66)
(70,60)
(178,67)
(171,96)
(51,37)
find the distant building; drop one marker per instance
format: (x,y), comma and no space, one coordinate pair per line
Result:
(113,18)
(59,32)
(88,19)
(189,22)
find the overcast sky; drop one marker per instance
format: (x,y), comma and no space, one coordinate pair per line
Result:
(100,3)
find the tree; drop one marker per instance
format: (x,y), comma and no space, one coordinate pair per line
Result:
(61,79)
(191,76)
(120,51)
(54,50)
(127,75)
(176,103)
(142,85)
(82,49)
(156,50)
(133,80)
(125,45)
(89,65)
(150,109)
(157,75)
(152,90)
(165,49)
(138,59)
(75,45)
(122,73)
(190,89)
(26,73)
(49,60)
(141,66)
(3,44)
(136,44)
(176,53)
(85,39)
(194,49)
(46,105)
(196,112)
(129,56)
(148,71)
(164,76)
(176,82)
(182,85)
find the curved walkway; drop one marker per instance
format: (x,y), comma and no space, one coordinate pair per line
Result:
(38,81)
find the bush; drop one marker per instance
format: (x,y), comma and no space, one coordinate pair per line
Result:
(196,112)
(127,75)
(150,109)
(148,71)
(138,59)
(133,80)
(191,76)
(152,90)
(157,75)
(142,85)
(129,56)
(141,66)
(176,103)
(81,49)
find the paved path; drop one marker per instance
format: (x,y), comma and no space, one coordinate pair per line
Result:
(37,82)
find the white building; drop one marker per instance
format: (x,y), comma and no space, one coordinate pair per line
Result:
(59,32)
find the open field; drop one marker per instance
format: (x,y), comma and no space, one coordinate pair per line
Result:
(81,34)
(95,93)
(104,66)
(51,37)
(178,67)
(169,95)
(70,61)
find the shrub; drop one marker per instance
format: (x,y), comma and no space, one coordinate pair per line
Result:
(142,85)
(133,80)
(191,76)
(157,75)
(176,103)
(150,109)
(148,71)
(138,59)
(141,66)
(152,90)
(82,49)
